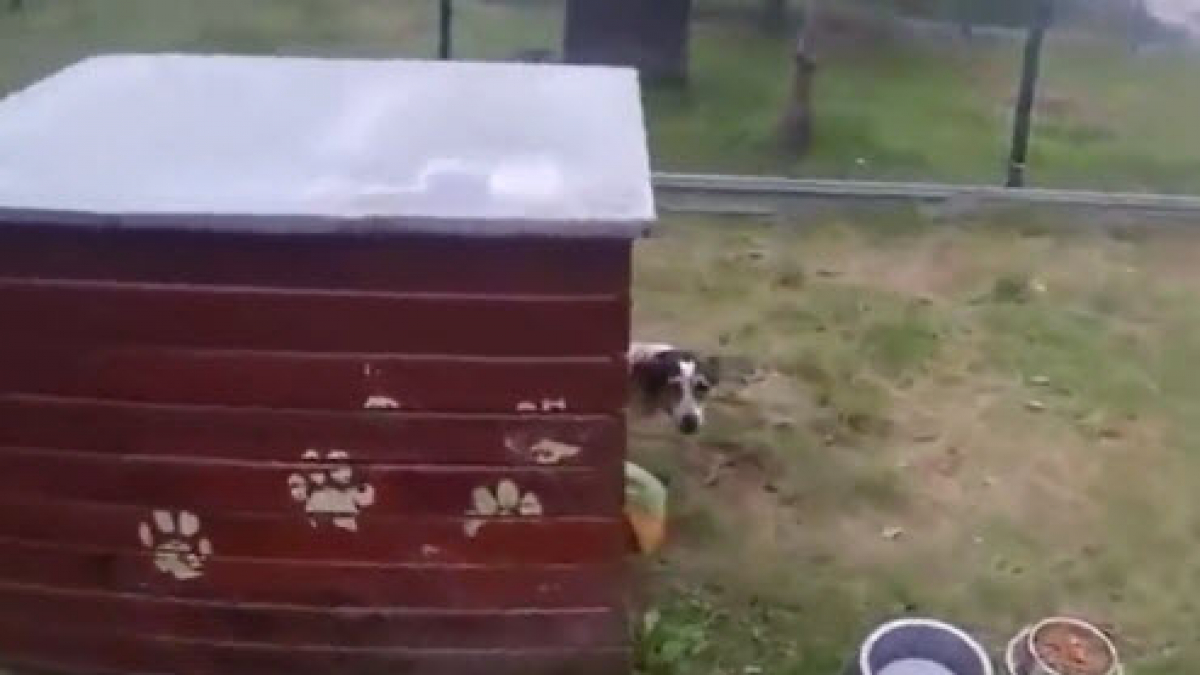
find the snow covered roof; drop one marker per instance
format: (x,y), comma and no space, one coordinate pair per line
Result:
(320,145)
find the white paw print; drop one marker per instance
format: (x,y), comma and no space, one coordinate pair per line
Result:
(381,403)
(549,451)
(331,492)
(546,405)
(179,550)
(545,451)
(505,501)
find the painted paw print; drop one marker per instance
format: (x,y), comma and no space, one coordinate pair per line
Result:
(174,537)
(545,451)
(331,492)
(505,501)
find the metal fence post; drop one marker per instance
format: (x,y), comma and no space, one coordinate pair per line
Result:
(445,29)
(1024,111)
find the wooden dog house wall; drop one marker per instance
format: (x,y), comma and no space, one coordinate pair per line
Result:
(314,366)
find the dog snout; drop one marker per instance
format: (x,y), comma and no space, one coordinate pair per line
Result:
(689,424)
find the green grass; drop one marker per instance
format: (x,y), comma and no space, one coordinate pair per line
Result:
(901,110)
(897,363)
(1107,119)
(892,112)
(50,34)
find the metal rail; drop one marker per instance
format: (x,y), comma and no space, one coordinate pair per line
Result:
(761,195)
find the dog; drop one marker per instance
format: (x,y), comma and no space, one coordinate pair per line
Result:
(666,381)
(671,381)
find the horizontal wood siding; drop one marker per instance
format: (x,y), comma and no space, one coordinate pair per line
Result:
(254,318)
(378,538)
(313,381)
(256,487)
(56,649)
(300,625)
(319,583)
(419,264)
(232,454)
(384,436)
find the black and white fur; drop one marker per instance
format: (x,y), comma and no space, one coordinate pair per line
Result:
(670,381)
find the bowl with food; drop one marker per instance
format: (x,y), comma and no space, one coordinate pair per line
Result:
(1062,646)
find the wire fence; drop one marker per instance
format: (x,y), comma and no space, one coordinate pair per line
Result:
(901,89)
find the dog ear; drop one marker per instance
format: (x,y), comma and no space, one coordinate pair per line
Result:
(653,374)
(711,367)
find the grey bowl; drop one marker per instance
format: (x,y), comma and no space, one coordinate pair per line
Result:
(924,639)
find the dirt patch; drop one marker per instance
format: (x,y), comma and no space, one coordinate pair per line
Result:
(778,400)
(1057,104)
(930,268)
(1172,259)
(948,264)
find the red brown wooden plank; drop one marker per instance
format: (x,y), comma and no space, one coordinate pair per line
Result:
(201,484)
(311,381)
(381,539)
(56,649)
(414,263)
(290,320)
(315,583)
(377,436)
(291,625)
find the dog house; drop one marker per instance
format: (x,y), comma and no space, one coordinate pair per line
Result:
(316,366)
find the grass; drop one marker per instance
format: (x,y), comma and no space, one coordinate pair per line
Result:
(907,109)
(50,34)
(875,112)
(988,423)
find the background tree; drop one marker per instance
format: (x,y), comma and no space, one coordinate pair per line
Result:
(774,14)
(796,127)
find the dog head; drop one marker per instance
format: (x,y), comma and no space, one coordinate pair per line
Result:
(673,382)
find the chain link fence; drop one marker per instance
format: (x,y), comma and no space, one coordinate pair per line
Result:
(900,89)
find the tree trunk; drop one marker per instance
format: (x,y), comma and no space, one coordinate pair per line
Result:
(795,129)
(652,36)
(966,20)
(774,14)
(1139,22)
